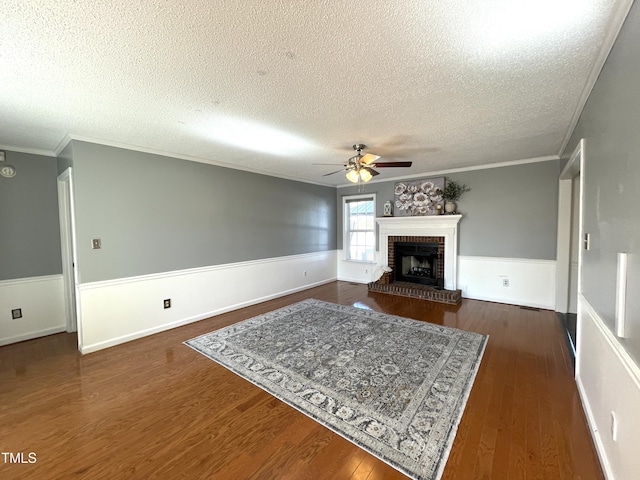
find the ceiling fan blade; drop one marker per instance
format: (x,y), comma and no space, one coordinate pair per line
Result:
(393,164)
(371,171)
(337,171)
(368,158)
(344,165)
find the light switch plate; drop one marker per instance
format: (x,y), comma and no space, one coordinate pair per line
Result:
(96,243)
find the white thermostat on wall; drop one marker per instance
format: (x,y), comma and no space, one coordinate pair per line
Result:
(8,171)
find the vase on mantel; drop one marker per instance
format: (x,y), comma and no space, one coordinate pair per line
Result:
(450,207)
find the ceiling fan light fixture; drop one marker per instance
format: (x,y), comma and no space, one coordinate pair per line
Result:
(365,175)
(360,168)
(352,176)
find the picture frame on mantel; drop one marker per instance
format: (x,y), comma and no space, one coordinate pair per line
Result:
(418,197)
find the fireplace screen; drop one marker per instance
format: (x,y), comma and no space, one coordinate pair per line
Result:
(417,263)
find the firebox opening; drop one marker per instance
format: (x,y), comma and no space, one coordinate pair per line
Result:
(418,263)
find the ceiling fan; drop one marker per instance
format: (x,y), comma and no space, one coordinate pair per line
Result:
(360,167)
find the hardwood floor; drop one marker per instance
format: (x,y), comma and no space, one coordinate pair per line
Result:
(154,408)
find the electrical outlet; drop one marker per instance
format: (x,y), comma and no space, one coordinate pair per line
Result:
(167,303)
(505,282)
(16,313)
(614,427)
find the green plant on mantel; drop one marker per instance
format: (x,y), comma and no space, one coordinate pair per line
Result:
(453,191)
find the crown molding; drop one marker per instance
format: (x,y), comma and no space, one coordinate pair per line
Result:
(180,156)
(436,173)
(32,151)
(607,44)
(64,142)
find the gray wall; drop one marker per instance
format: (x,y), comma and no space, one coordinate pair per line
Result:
(610,125)
(155,214)
(510,211)
(65,159)
(29,226)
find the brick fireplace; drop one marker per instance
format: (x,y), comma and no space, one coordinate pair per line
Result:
(417,247)
(439,229)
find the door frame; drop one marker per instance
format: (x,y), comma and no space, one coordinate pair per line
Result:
(66,211)
(563,253)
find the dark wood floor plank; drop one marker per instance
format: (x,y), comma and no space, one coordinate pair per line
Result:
(155,408)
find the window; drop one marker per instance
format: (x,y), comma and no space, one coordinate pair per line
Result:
(360,227)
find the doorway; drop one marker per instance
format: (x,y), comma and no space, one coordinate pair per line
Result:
(67,242)
(568,264)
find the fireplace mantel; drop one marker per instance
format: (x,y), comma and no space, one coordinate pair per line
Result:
(428,226)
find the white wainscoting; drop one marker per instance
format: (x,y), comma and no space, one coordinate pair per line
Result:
(117,311)
(42,302)
(357,272)
(532,282)
(608,381)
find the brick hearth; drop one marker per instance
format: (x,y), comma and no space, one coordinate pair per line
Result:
(415,290)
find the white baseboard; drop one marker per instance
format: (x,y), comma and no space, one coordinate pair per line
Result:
(42,303)
(354,280)
(595,434)
(531,281)
(31,335)
(608,381)
(117,311)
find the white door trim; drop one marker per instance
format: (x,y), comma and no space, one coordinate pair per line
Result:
(563,255)
(66,209)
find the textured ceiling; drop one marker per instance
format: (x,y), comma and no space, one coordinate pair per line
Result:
(274,86)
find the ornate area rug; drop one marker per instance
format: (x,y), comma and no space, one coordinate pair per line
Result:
(394,386)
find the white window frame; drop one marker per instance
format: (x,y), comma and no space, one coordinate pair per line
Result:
(346,230)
